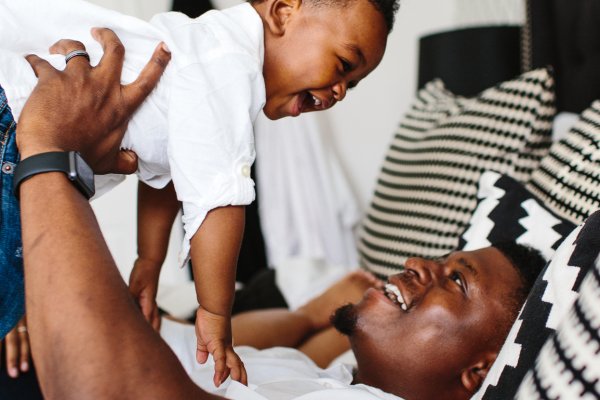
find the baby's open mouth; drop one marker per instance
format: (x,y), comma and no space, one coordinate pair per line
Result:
(312,102)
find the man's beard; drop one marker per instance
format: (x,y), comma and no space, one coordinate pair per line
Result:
(344,319)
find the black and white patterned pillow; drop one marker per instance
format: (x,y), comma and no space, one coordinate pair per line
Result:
(426,191)
(568,367)
(507,211)
(554,291)
(568,178)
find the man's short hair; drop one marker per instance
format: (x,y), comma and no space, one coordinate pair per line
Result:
(528,262)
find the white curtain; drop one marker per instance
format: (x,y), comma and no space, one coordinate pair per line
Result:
(307,209)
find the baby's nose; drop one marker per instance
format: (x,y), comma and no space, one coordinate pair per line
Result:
(339,90)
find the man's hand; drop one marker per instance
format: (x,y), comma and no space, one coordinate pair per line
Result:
(143,285)
(95,123)
(17,349)
(213,333)
(349,289)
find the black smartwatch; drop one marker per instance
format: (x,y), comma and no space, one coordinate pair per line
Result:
(69,162)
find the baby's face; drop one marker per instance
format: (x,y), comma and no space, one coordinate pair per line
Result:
(324,52)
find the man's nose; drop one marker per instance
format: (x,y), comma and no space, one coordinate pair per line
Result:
(427,271)
(339,90)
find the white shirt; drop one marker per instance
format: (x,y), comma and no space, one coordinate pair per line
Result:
(279,373)
(196,126)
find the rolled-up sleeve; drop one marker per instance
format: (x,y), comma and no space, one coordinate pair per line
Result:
(211,143)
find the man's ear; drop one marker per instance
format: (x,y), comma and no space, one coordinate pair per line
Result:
(472,377)
(279,13)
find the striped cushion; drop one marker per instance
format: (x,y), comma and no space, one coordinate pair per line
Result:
(427,188)
(568,178)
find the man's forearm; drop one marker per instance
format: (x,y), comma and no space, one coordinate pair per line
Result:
(87,334)
(88,338)
(269,328)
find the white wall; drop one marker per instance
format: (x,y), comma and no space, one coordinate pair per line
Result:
(360,127)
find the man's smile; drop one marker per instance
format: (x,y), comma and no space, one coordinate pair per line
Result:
(393,293)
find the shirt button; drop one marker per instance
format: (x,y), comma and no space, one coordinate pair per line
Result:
(246,170)
(7,168)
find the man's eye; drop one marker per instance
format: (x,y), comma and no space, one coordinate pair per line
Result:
(457,278)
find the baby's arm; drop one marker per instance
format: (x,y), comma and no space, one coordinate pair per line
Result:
(214,250)
(157,209)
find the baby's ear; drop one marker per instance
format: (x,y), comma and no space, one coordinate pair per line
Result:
(472,377)
(278,14)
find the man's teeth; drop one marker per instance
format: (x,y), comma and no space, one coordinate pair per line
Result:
(394,294)
(317,101)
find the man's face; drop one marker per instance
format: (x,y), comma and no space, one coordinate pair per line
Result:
(323,52)
(433,320)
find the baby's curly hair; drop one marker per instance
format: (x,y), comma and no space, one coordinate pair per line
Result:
(387,8)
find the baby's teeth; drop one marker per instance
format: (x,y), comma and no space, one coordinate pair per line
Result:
(317,101)
(403,306)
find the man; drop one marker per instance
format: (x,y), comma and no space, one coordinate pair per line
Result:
(431,332)
(88,338)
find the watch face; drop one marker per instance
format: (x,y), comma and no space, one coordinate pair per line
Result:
(84,174)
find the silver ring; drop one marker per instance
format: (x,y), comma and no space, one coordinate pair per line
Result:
(76,53)
(22,329)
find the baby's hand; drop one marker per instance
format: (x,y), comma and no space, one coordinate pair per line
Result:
(213,332)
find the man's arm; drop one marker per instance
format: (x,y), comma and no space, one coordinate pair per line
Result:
(272,327)
(308,328)
(88,338)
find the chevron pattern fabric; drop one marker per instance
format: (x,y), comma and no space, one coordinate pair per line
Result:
(549,302)
(427,188)
(568,366)
(507,211)
(568,178)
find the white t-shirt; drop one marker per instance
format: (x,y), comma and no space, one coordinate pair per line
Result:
(196,126)
(278,373)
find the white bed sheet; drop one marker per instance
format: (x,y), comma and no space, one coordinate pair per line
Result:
(278,373)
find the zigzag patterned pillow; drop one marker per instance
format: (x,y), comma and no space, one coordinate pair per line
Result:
(426,191)
(507,211)
(568,178)
(554,291)
(568,367)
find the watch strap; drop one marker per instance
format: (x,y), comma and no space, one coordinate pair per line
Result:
(56,161)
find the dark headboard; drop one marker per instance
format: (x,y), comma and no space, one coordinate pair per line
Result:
(566,35)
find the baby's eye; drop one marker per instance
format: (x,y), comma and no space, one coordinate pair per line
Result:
(346,66)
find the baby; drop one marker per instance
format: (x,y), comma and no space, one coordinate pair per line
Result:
(193,135)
